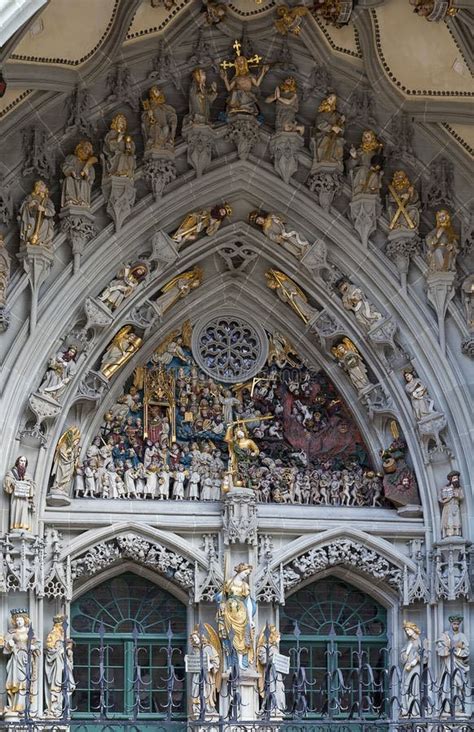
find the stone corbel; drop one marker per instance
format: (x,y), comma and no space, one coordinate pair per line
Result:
(145,316)
(44,408)
(163,251)
(244,132)
(327,327)
(365,211)
(92,387)
(440,292)
(119,192)
(240,517)
(159,170)
(37,261)
(200,141)
(401,247)
(284,149)
(77,222)
(376,400)
(325,180)
(98,315)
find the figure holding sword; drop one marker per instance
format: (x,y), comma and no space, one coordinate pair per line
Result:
(242,449)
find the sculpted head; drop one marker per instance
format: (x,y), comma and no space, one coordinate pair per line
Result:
(84,150)
(443,219)
(199,76)
(411,629)
(288,85)
(156,96)
(20,618)
(400,180)
(119,123)
(40,189)
(241,66)
(328,104)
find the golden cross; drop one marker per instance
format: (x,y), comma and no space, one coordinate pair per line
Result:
(237,46)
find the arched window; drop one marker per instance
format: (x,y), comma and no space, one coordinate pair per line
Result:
(122,604)
(342,630)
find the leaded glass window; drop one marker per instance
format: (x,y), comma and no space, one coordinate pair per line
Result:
(122,603)
(342,630)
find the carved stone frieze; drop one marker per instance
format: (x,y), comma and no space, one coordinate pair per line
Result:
(365,211)
(208,585)
(438,190)
(32,564)
(325,180)
(38,153)
(451,572)
(243,131)
(240,517)
(344,552)
(149,553)
(284,149)
(237,256)
(120,194)
(200,139)
(77,222)
(159,170)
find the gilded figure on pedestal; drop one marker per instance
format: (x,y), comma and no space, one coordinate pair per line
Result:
(286,100)
(274,228)
(37,217)
(79,176)
(242,98)
(159,121)
(201,98)
(119,149)
(119,351)
(403,203)
(21,673)
(235,617)
(442,244)
(329,132)
(366,165)
(289,293)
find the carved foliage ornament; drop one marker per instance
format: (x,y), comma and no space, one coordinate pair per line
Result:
(132,547)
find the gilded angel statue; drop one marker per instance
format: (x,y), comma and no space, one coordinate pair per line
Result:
(178,288)
(173,345)
(289,292)
(124,344)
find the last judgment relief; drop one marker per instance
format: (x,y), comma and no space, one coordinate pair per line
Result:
(178,433)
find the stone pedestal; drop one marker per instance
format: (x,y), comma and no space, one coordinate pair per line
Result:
(200,140)
(77,222)
(98,315)
(284,149)
(243,130)
(365,210)
(159,170)
(37,261)
(430,428)
(240,516)
(325,180)
(401,246)
(248,694)
(164,250)
(440,291)
(411,510)
(58,498)
(44,408)
(119,192)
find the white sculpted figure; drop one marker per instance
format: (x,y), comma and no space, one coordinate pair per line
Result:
(206,645)
(15,646)
(274,228)
(421,402)
(413,659)
(354,299)
(123,285)
(60,370)
(268,647)
(65,458)
(450,497)
(58,669)
(21,488)
(453,650)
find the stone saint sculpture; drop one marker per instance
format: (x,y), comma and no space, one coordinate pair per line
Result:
(79,175)
(450,497)
(37,217)
(58,669)
(452,649)
(205,644)
(21,488)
